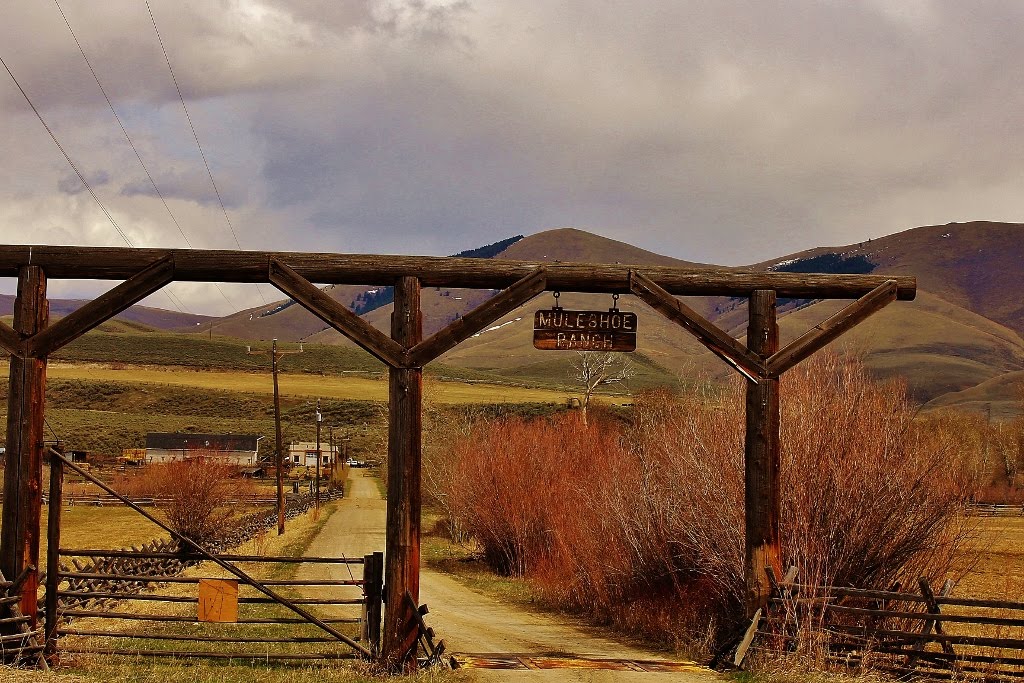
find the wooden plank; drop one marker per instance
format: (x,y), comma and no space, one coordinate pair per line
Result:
(558,340)
(762,458)
(479,318)
(320,304)
(922,616)
(716,341)
(373,580)
(748,638)
(827,332)
(23,471)
(101,309)
(402,550)
(9,339)
(204,265)
(929,624)
(53,573)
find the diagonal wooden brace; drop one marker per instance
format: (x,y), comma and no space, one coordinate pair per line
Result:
(717,341)
(9,339)
(101,309)
(479,318)
(823,334)
(337,316)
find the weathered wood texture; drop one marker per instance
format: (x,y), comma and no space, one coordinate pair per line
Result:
(402,550)
(23,471)
(53,572)
(892,631)
(716,341)
(373,589)
(9,339)
(566,340)
(197,265)
(317,302)
(101,309)
(762,458)
(824,333)
(477,319)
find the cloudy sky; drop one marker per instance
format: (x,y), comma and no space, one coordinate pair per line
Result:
(715,131)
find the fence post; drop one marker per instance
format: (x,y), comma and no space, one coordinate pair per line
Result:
(762,456)
(405,425)
(53,553)
(23,471)
(373,590)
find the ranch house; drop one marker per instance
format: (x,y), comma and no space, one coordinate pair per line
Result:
(303,453)
(231,449)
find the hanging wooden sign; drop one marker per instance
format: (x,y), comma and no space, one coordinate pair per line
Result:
(559,329)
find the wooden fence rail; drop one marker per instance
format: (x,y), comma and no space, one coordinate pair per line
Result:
(924,633)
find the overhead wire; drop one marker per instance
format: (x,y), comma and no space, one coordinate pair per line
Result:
(74,167)
(127,137)
(195,135)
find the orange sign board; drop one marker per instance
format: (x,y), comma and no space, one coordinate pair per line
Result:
(218,600)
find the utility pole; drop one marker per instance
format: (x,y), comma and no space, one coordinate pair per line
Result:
(319,419)
(275,359)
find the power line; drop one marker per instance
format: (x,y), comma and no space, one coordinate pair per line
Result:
(202,154)
(119,123)
(130,143)
(74,167)
(68,158)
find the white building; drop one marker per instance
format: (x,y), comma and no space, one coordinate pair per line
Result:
(231,449)
(303,454)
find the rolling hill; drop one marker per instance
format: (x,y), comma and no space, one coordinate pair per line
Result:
(955,345)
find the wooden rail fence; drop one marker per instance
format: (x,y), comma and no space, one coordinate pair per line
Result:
(921,633)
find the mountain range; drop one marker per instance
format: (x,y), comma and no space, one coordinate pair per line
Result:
(959,344)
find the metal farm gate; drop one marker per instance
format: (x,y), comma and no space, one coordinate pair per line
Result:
(147,602)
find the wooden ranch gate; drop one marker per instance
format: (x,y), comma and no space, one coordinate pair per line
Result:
(144,271)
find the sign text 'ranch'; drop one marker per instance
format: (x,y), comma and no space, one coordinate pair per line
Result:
(558,329)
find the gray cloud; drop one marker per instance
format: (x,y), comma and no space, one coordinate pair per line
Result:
(726,132)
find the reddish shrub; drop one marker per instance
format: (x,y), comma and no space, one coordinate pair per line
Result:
(643,526)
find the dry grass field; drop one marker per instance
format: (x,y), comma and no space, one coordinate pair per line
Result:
(998,572)
(305,385)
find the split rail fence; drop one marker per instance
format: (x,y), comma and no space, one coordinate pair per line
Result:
(923,633)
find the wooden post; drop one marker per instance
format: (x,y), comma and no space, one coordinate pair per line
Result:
(762,457)
(278,444)
(23,473)
(373,575)
(402,549)
(53,552)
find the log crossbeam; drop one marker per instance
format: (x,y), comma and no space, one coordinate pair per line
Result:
(825,333)
(480,317)
(10,340)
(317,302)
(99,310)
(716,340)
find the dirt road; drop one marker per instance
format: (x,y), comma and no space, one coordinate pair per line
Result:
(472,623)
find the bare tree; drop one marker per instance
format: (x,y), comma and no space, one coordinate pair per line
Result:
(593,369)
